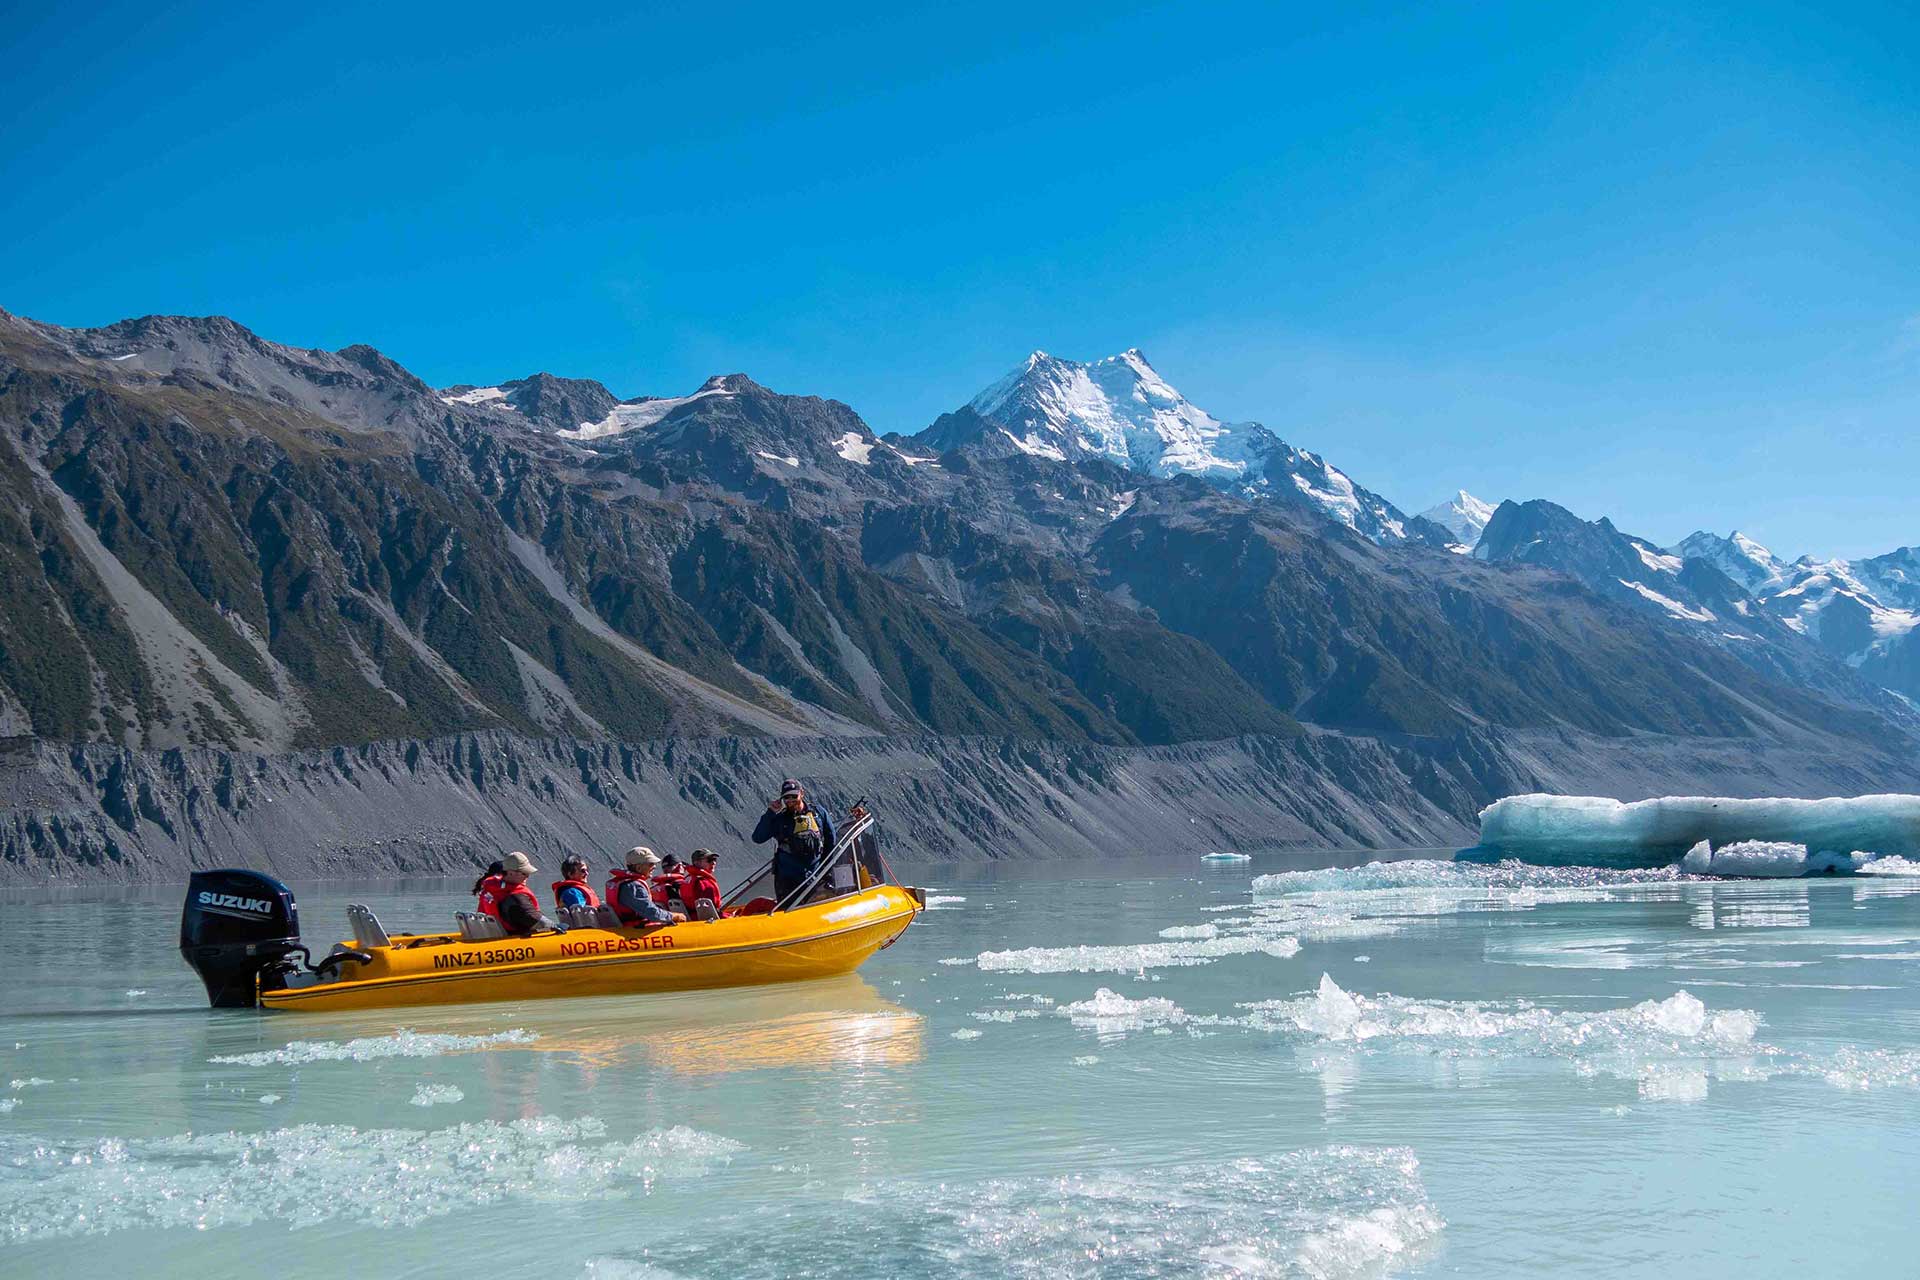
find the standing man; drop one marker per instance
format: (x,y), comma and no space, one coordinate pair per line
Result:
(803,835)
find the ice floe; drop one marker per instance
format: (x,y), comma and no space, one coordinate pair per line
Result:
(1131,958)
(1572,829)
(432,1095)
(1680,1024)
(1328,1213)
(310,1174)
(1768,859)
(401,1044)
(1109,1013)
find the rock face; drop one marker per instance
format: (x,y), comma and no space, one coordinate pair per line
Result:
(94,813)
(393,615)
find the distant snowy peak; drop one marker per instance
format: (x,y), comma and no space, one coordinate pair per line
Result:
(1738,556)
(1463,515)
(1122,410)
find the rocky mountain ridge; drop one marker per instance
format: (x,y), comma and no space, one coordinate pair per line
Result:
(216,543)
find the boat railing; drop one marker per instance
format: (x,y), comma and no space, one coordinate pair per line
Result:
(854,863)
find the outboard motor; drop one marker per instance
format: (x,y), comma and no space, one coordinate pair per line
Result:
(235,924)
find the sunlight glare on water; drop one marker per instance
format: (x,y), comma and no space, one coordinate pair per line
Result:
(1130,1069)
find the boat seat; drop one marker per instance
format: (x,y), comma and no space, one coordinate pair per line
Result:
(580,917)
(367,931)
(605,917)
(475,927)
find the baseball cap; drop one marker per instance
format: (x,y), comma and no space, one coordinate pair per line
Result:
(791,787)
(518,861)
(641,856)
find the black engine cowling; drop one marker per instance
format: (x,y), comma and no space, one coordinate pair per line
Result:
(234,924)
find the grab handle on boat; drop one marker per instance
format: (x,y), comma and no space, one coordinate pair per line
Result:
(333,960)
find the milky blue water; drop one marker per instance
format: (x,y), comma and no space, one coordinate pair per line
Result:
(1132,1069)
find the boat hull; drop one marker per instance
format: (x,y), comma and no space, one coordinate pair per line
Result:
(820,941)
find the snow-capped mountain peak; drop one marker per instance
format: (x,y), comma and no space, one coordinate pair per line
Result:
(1463,515)
(1118,408)
(1738,556)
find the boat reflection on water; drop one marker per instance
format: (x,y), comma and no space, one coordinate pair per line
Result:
(833,1024)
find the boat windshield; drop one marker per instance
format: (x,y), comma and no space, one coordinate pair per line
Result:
(853,864)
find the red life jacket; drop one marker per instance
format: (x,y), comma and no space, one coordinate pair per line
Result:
(619,877)
(593,899)
(666,888)
(513,890)
(490,890)
(699,884)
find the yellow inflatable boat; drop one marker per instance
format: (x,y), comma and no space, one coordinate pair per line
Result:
(240,931)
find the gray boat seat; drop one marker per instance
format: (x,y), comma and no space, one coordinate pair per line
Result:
(580,917)
(475,927)
(367,931)
(605,917)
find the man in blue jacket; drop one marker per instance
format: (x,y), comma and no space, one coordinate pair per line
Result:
(803,834)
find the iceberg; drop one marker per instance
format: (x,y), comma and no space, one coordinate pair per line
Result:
(1769,859)
(1577,830)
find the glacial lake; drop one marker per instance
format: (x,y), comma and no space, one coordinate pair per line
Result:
(1127,1069)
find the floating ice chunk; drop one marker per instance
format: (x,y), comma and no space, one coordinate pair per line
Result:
(401,1044)
(1674,1084)
(1892,865)
(1191,931)
(1225,857)
(134,993)
(1004,1015)
(432,1095)
(1678,1025)
(1851,1067)
(1086,1060)
(268,1099)
(1109,1013)
(1571,829)
(1333,1213)
(313,1173)
(1767,858)
(1130,959)
(967,1033)
(30,1082)
(8,1104)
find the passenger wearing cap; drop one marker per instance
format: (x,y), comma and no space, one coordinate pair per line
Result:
(629,895)
(803,835)
(700,891)
(519,910)
(668,880)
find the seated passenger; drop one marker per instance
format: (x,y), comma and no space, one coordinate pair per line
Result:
(572,889)
(629,894)
(519,910)
(700,892)
(487,889)
(667,881)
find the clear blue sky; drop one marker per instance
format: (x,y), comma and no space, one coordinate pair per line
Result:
(1658,264)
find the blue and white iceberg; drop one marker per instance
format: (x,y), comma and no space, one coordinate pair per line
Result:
(1840,834)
